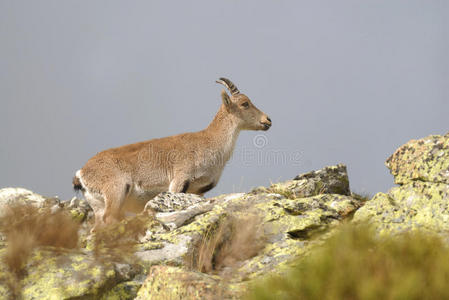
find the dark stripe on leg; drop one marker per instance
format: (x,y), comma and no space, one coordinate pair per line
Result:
(127,188)
(185,186)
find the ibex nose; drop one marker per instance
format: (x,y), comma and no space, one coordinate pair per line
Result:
(267,123)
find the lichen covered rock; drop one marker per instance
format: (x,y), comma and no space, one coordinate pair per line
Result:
(21,196)
(292,227)
(62,274)
(165,282)
(425,159)
(66,276)
(421,167)
(416,205)
(79,209)
(329,180)
(123,291)
(184,246)
(237,236)
(168,202)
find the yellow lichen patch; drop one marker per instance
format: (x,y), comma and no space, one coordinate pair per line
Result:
(416,205)
(65,276)
(80,266)
(122,291)
(152,245)
(95,271)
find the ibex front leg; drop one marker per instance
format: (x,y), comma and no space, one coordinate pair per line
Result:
(179,185)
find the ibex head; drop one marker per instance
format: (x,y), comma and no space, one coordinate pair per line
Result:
(238,105)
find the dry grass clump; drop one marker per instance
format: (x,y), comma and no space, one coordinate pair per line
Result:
(355,265)
(26,227)
(119,241)
(232,241)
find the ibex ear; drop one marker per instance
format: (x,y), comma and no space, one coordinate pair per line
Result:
(225,98)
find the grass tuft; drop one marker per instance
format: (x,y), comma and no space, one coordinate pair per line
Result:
(355,265)
(26,228)
(234,240)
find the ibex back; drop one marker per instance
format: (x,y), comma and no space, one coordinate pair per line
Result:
(118,179)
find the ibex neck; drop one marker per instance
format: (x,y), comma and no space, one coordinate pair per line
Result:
(223,131)
(223,124)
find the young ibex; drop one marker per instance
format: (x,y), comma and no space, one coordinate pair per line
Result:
(117,179)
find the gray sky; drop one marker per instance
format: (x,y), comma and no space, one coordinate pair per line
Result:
(343,81)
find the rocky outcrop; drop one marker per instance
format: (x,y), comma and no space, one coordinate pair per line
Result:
(215,244)
(421,201)
(10,197)
(425,160)
(188,247)
(416,205)
(21,196)
(66,275)
(330,180)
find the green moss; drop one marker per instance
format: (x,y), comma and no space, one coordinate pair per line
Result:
(354,265)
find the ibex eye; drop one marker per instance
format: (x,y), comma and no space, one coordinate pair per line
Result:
(245,104)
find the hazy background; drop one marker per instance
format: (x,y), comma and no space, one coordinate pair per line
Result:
(343,81)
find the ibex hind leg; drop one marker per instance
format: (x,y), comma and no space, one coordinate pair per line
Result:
(96,201)
(115,197)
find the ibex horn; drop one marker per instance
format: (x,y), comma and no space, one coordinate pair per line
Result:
(229,85)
